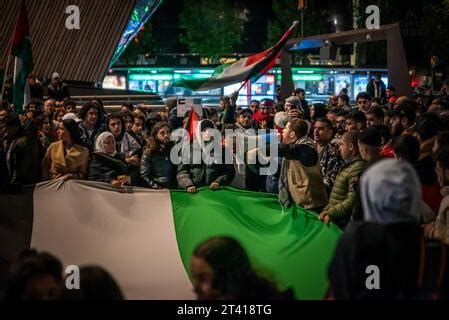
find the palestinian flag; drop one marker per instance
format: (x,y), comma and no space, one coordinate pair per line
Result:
(145,238)
(23,59)
(252,67)
(192,123)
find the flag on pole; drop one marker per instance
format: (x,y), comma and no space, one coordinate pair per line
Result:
(252,67)
(23,58)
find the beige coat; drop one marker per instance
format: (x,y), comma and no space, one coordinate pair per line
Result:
(58,162)
(305,184)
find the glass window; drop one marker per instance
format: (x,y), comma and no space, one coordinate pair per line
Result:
(360,83)
(114,82)
(343,82)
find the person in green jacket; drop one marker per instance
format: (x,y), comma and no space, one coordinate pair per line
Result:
(343,195)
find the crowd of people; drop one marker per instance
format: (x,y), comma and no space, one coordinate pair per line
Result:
(378,169)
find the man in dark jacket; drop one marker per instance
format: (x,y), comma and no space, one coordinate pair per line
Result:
(57,90)
(36,89)
(328,154)
(376,88)
(228,106)
(303,105)
(22,153)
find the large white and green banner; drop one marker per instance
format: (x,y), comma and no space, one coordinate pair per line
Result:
(145,238)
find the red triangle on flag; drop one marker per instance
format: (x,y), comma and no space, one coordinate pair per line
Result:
(192,123)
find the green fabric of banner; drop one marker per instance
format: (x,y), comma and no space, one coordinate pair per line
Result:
(289,246)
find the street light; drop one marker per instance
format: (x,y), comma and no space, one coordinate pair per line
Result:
(336,23)
(302,4)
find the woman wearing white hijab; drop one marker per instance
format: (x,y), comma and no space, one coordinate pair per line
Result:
(106,164)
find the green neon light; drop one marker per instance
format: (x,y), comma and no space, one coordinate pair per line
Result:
(305,70)
(200,76)
(191,76)
(297,77)
(149,69)
(143,77)
(165,76)
(135,15)
(176,76)
(314,77)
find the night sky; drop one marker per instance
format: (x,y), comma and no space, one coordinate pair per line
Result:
(165,23)
(166,31)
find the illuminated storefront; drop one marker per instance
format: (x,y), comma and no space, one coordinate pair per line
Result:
(319,83)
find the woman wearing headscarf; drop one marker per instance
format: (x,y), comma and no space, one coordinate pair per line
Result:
(106,164)
(66,158)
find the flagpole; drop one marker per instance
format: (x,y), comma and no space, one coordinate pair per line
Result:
(6,75)
(244,84)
